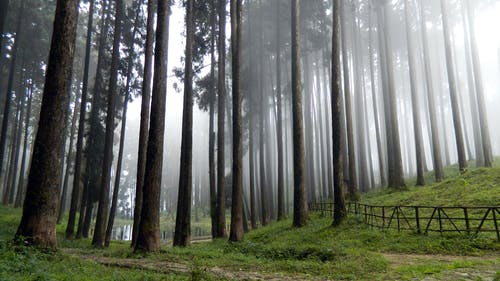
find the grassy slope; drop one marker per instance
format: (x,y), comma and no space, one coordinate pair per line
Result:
(478,187)
(352,251)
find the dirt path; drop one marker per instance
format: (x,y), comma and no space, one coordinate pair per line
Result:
(484,268)
(183,269)
(480,268)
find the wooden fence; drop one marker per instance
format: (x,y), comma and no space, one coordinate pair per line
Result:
(423,219)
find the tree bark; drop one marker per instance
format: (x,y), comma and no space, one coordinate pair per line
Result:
(417,127)
(148,237)
(339,212)
(21,188)
(221,88)
(450,66)
(38,222)
(397,180)
(116,189)
(102,211)
(236,232)
(300,212)
(144,124)
(183,218)
(211,137)
(75,194)
(478,78)
(64,194)
(279,125)
(10,83)
(436,149)
(381,164)
(353,177)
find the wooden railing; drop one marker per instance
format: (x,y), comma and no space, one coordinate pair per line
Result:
(423,219)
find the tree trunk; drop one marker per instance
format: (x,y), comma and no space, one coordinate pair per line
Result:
(211,137)
(279,125)
(75,194)
(38,223)
(397,180)
(20,188)
(102,211)
(300,211)
(183,218)
(16,142)
(64,195)
(10,83)
(436,148)
(417,127)
(478,143)
(450,66)
(221,88)
(116,188)
(339,212)
(353,177)
(148,237)
(263,106)
(144,124)
(236,232)
(381,164)
(478,78)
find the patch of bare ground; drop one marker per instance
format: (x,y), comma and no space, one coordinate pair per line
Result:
(485,268)
(184,269)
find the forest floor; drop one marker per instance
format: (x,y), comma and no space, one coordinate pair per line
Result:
(352,251)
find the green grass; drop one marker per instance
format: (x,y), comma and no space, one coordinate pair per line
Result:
(352,251)
(477,187)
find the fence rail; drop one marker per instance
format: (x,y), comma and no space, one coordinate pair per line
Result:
(423,219)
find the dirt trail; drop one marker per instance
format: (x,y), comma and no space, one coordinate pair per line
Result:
(183,269)
(485,272)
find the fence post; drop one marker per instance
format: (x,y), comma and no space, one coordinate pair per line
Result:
(466,216)
(440,222)
(383,217)
(417,219)
(496,224)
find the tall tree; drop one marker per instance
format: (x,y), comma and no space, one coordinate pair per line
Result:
(38,222)
(221,116)
(75,194)
(183,218)
(417,127)
(126,93)
(339,212)
(478,79)
(211,131)
(353,177)
(148,237)
(396,177)
(279,124)
(20,188)
(300,215)
(65,181)
(436,148)
(143,130)
(452,84)
(10,84)
(236,233)
(381,164)
(102,211)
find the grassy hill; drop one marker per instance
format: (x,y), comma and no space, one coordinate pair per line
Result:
(352,251)
(477,187)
